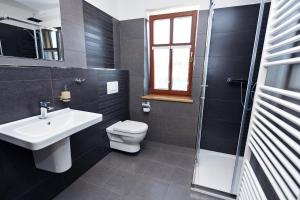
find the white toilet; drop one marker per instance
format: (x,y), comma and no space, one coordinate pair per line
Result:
(127,136)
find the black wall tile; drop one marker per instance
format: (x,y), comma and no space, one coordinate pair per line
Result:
(58,73)
(219,135)
(219,109)
(99,37)
(233,35)
(20,98)
(233,19)
(232,44)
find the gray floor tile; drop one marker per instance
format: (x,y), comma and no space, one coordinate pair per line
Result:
(199,196)
(132,197)
(114,160)
(98,175)
(121,182)
(114,196)
(177,149)
(148,143)
(186,163)
(179,192)
(169,158)
(81,190)
(148,152)
(149,189)
(182,177)
(135,165)
(159,171)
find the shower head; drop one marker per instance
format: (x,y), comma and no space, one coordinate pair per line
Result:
(33,19)
(3,18)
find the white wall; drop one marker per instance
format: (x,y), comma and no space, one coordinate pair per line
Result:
(133,9)
(11,11)
(51,17)
(108,6)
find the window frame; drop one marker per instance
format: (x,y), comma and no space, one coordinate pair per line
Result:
(172,16)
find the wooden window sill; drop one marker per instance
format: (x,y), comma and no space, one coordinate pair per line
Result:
(173,98)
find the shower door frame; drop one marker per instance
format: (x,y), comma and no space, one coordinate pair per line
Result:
(204,85)
(204,78)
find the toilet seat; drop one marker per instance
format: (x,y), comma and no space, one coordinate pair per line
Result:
(129,126)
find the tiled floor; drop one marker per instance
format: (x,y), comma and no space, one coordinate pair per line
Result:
(157,172)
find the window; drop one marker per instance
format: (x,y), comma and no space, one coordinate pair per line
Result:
(172,46)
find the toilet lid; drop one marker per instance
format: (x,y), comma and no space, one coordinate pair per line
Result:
(129,126)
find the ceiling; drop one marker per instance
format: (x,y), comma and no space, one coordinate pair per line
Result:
(33,5)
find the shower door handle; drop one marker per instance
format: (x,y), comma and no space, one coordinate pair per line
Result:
(1,51)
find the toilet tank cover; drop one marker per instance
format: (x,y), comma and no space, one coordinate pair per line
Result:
(129,126)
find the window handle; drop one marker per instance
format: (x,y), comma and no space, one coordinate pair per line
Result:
(192,57)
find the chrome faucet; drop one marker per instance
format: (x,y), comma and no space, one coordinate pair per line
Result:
(44,106)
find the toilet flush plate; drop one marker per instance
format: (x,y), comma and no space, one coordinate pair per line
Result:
(112,87)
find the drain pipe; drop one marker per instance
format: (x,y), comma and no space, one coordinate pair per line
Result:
(204,77)
(249,86)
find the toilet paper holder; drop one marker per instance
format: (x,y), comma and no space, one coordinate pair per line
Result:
(146,106)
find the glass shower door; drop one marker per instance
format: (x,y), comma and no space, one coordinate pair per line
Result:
(221,122)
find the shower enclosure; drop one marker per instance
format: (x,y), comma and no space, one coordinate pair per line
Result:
(232,58)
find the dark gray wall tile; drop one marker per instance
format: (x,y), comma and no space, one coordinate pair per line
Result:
(132,55)
(132,29)
(73,31)
(200,44)
(19,99)
(202,21)
(136,85)
(198,68)
(196,88)
(24,73)
(116,31)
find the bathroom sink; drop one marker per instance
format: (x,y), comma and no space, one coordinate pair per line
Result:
(49,139)
(35,134)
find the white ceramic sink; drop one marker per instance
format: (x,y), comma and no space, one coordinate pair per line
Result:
(34,133)
(49,138)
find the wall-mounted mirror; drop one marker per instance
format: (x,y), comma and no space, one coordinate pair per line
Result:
(31,29)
